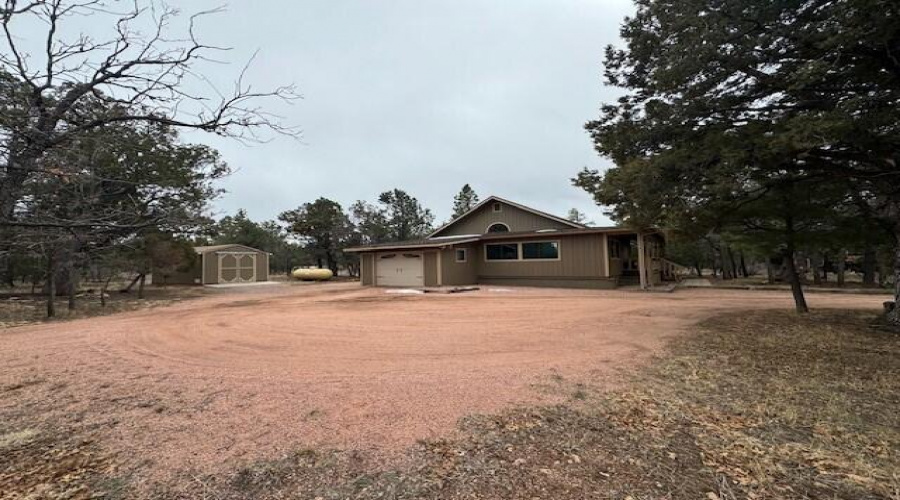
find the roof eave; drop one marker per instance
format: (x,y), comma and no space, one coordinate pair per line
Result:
(440,244)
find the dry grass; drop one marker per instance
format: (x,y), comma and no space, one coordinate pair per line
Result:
(50,465)
(757,405)
(25,309)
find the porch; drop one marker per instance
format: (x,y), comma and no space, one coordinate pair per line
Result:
(630,253)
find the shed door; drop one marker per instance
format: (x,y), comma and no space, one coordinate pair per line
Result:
(237,267)
(400,269)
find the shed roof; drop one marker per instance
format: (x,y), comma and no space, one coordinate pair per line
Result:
(217,248)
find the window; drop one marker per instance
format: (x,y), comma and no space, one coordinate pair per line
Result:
(498,207)
(540,250)
(460,255)
(504,251)
(498,227)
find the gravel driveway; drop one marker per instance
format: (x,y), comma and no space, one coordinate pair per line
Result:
(245,375)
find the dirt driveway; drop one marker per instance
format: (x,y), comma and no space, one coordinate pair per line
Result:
(241,376)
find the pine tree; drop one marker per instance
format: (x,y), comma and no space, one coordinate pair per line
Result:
(578,217)
(464,201)
(780,104)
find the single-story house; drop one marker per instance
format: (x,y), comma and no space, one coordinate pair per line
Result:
(218,264)
(500,242)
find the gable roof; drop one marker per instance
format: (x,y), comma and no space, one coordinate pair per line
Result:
(215,248)
(492,198)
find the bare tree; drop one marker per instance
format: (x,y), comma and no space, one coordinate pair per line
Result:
(141,75)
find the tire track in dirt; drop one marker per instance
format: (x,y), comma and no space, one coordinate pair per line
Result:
(238,376)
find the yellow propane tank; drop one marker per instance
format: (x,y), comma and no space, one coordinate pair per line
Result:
(312,274)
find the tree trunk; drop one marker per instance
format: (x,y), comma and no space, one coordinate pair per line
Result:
(794,278)
(791,266)
(10,270)
(770,271)
(734,267)
(868,266)
(128,288)
(103,290)
(71,282)
(143,278)
(841,267)
(51,286)
(698,269)
(893,317)
(744,270)
(332,262)
(815,262)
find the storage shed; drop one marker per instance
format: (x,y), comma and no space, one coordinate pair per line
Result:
(232,264)
(219,264)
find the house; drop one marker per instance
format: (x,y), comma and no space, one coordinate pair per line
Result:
(500,242)
(218,264)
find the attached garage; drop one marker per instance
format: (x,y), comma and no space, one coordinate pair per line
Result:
(232,264)
(406,269)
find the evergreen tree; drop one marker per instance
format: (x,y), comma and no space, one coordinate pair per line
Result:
(397,216)
(791,104)
(578,217)
(405,217)
(323,225)
(464,201)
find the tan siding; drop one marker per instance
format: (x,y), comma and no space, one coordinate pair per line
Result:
(517,220)
(262,266)
(593,283)
(367,269)
(460,273)
(430,264)
(211,269)
(580,256)
(211,266)
(615,266)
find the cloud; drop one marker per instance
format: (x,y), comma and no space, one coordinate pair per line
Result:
(420,95)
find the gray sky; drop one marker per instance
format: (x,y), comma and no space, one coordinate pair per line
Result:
(421,95)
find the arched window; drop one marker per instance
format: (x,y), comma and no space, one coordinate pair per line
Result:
(498,227)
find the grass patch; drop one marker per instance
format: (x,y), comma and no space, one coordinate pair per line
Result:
(757,405)
(50,465)
(25,309)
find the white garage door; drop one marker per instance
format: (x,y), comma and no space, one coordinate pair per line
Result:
(400,269)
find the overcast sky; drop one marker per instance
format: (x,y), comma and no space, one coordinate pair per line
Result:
(421,95)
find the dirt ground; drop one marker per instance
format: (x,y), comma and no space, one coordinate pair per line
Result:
(244,375)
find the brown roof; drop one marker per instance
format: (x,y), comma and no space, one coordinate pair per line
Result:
(439,241)
(419,243)
(216,248)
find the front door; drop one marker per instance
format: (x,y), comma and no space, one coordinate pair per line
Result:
(400,269)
